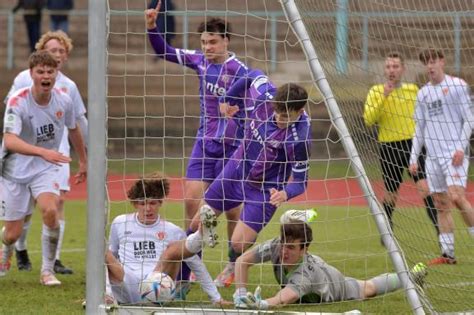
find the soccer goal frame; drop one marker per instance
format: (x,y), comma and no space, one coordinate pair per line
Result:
(97,167)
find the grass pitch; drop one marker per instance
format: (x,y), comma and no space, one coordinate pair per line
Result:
(346,238)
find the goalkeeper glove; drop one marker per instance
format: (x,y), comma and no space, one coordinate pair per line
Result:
(251,301)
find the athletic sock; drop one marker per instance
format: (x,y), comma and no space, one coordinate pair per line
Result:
(21,242)
(194,242)
(432,212)
(49,240)
(385,283)
(446,241)
(62,225)
(389,208)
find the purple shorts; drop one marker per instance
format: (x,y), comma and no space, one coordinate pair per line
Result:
(229,190)
(207,160)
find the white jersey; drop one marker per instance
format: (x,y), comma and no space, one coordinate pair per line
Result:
(139,247)
(444,120)
(65,84)
(39,125)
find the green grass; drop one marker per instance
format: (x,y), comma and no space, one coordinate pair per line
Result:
(346,238)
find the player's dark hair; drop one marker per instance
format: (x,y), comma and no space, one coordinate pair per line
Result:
(215,26)
(426,55)
(396,54)
(151,186)
(290,97)
(42,58)
(294,232)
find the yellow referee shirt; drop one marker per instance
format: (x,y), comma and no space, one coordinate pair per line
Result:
(394,113)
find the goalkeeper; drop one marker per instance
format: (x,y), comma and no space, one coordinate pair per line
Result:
(303,277)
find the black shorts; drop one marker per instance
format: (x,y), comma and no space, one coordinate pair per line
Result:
(394,159)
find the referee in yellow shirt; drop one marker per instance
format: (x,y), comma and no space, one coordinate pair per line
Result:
(391,106)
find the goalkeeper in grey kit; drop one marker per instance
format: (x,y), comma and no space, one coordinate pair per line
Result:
(303,277)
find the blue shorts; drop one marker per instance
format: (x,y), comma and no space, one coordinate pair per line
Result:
(207,160)
(229,191)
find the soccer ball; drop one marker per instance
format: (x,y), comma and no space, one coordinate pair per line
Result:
(158,287)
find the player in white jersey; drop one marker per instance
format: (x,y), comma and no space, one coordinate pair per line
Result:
(306,278)
(444,123)
(60,46)
(137,241)
(35,119)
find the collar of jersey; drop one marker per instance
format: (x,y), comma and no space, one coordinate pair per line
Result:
(135,216)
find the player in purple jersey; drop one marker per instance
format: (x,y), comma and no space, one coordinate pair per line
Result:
(217,69)
(276,146)
(216,140)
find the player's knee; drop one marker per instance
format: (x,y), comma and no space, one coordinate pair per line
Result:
(50,216)
(11,235)
(238,246)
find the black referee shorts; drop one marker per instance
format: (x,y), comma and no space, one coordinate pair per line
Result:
(395,157)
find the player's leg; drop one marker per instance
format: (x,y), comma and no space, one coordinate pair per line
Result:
(388,282)
(10,232)
(16,206)
(457,195)
(22,258)
(58,265)
(424,191)
(48,204)
(392,173)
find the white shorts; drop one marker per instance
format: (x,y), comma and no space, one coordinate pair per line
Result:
(129,290)
(17,199)
(64,174)
(441,174)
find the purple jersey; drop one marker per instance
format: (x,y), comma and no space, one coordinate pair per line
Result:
(215,80)
(269,155)
(245,93)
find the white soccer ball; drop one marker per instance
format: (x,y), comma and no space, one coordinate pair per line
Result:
(158,287)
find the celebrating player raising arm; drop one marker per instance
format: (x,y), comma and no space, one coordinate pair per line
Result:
(217,69)
(34,123)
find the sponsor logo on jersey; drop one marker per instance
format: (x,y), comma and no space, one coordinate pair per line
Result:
(144,249)
(45,133)
(215,89)
(161,235)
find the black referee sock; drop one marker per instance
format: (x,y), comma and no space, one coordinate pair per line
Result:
(389,208)
(432,212)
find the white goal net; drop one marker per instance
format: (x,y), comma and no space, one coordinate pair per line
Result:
(153,114)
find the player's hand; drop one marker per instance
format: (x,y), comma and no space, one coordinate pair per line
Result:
(151,15)
(228,110)
(458,157)
(277,197)
(413,168)
(253,301)
(388,87)
(81,175)
(55,157)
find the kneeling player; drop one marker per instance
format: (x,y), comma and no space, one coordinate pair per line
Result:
(138,240)
(306,278)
